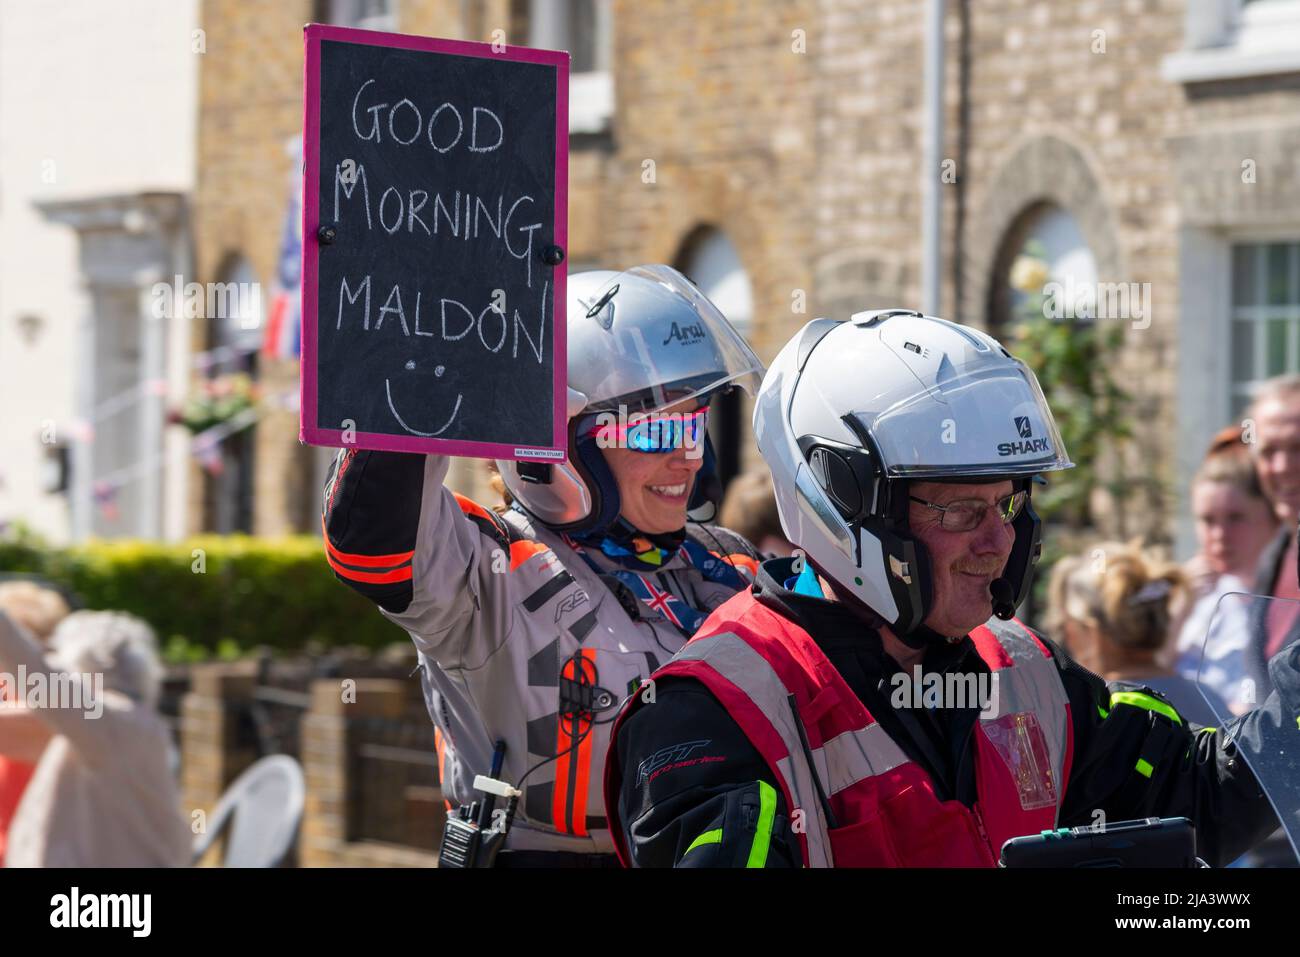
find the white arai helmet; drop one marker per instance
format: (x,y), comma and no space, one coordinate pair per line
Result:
(850,412)
(639,341)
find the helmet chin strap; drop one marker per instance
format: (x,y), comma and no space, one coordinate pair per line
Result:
(921,636)
(1004,607)
(1001,590)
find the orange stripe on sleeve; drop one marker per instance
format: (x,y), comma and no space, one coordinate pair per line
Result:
(521,551)
(470,507)
(402,574)
(365,561)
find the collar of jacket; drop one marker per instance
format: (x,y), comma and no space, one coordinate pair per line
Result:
(837,629)
(675,560)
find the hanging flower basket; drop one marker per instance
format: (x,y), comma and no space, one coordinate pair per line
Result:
(215,401)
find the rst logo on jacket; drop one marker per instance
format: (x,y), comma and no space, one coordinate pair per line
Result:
(664,756)
(570,602)
(685,334)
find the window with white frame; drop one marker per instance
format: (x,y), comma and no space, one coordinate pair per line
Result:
(364,14)
(1266,25)
(585,29)
(1227,39)
(1265,324)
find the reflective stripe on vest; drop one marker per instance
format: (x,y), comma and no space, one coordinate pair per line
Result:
(1027,683)
(745,668)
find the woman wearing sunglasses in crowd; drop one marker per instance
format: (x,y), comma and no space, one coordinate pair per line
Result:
(535,621)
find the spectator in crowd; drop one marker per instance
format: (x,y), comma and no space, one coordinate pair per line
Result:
(1112,608)
(102,794)
(33,606)
(1275,416)
(1234,523)
(39,610)
(750,509)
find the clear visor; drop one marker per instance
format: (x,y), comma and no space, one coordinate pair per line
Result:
(648,339)
(992,422)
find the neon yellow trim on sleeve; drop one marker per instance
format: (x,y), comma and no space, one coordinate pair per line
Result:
(708,837)
(1139,700)
(1144,768)
(766,815)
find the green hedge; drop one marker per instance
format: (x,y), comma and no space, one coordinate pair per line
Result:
(252,592)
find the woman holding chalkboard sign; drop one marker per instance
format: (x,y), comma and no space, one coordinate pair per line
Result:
(533,625)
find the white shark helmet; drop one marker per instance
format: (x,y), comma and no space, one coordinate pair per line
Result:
(639,341)
(851,412)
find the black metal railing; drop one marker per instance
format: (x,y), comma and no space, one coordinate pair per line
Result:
(276,715)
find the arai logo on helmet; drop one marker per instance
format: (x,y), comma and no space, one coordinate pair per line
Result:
(1026,432)
(685,334)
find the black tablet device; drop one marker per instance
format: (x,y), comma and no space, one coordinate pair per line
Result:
(1153,842)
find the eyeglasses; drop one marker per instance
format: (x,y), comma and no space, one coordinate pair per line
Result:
(964,515)
(657,432)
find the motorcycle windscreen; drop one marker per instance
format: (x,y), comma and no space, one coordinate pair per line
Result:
(1236,681)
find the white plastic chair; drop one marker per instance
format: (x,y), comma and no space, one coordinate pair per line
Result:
(261,809)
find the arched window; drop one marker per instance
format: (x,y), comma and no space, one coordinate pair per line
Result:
(1048,233)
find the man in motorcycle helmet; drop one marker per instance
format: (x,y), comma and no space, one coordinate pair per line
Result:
(873,701)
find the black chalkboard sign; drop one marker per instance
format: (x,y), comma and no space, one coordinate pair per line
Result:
(435,193)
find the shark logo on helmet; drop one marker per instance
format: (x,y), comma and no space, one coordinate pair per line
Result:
(1031,445)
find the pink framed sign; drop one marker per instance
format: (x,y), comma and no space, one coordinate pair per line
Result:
(435,196)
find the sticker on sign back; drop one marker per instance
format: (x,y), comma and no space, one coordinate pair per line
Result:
(539,453)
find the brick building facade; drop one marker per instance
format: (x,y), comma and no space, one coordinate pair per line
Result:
(790,136)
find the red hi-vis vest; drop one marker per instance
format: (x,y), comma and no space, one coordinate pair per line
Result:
(885,808)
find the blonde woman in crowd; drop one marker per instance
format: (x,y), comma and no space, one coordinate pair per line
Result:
(1234,524)
(102,794)
(1112,607)
(39,610)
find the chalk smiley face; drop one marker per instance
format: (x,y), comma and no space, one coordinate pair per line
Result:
(438,372)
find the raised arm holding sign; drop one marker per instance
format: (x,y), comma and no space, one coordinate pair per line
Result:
(440,322)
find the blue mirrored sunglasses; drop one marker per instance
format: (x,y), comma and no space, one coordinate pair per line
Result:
(658,432)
